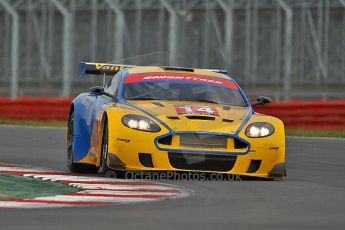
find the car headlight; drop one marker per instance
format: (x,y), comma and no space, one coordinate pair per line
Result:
(140,123)
(259,129)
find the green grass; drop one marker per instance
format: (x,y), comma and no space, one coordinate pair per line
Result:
(289,132)
(13,187)
(60,124)
(315,133)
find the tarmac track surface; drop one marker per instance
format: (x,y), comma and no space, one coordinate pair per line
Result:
(312,197)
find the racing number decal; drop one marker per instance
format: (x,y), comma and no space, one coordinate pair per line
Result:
(192,109)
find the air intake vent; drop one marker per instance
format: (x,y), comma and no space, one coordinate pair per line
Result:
(201,118)
(206,162)
(227,120)
(254,166)
(240,144)
(203,140)
(158,104)
(178,68)
(173,117)
(165,140)
(146,160)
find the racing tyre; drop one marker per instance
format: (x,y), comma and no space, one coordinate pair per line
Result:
(105,169)
(104,154)
(75,167)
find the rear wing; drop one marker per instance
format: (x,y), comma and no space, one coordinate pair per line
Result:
(112,69)
(223,71)
(100,68)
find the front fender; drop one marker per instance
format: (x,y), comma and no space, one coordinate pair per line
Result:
(83,122)
(273,143)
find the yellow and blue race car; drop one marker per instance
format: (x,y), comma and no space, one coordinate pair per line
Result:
(171,119)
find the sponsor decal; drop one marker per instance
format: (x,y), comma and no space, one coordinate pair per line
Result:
(193,109)
(108,67)
(123,139)
(274,148)
(193,78)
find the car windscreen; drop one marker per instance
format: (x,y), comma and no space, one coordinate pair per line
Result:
(182,87)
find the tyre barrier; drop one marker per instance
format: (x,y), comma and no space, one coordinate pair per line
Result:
(29,108)
(295,114)
(308,114)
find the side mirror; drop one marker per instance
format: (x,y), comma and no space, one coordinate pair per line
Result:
(99,90)
(262,100)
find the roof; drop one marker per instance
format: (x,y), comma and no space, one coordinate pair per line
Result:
(156,69)
(86,68)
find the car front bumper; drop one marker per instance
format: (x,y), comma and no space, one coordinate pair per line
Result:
(265,158)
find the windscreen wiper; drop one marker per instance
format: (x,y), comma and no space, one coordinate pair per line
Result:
(198,100)
(141,98)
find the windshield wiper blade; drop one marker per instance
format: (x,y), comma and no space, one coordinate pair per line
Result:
(173,99)
(141,98)
(209,101)
(198,100)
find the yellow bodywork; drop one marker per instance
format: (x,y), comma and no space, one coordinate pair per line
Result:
(126,143)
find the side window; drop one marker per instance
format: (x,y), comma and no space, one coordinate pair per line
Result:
(109,83)
(113,85)
(117,84)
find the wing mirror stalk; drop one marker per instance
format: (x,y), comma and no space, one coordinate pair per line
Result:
(262,100)
(99,90)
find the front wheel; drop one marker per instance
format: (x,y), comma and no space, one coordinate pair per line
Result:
(104,155)
(75,167)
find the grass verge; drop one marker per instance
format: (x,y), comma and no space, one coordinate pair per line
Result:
(315,133)
(60,124)
(15,187)
(289,132)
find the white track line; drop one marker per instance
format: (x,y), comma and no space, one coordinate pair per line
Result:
(94,190)
(13,204)
(128,192)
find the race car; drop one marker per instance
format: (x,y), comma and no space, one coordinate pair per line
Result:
(161,118)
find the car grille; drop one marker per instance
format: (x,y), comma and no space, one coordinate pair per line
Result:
(202,162)
(203,140)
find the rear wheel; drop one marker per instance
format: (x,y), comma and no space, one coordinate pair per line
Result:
(75,167)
